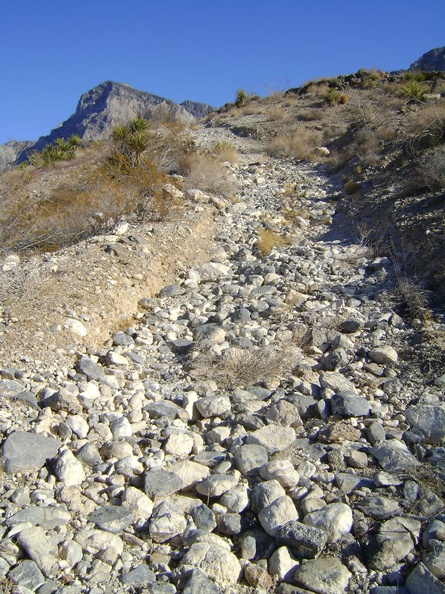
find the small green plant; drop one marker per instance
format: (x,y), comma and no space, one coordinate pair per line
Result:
(241,98)
(60,150)
(132,139)
(334,97)
(415,91)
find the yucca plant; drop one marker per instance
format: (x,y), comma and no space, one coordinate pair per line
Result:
(133,139)
(415,91)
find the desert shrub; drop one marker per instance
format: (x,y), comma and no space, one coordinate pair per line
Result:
(276,114)
(241,98)
(132,139)
(225,151)
(414,91)
(205,171)
(334,97)
(430,171)
(60,150)
(426,126)
(299,144)
(268,239)
(239,367)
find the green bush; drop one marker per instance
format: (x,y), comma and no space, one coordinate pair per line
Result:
(415,91)
(132,139)
(60,150)
(334,97)
(241,98)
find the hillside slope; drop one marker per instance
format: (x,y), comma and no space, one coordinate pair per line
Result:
(239,397)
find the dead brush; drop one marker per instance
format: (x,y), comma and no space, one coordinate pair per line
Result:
(269,239)
(238,367)
(299,144)
(204,171)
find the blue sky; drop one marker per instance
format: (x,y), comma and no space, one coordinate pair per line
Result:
(52,51)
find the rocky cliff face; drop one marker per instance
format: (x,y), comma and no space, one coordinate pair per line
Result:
(434,60)
(110,104)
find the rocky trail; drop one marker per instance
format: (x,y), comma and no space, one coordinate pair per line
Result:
(259,427)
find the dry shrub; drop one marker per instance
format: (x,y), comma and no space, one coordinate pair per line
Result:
(225,152)
(426,126)
(276,114)
(251,108)
(268,239)
(239,367)
(429,173)
(204,171)
(299,144)
(52,208)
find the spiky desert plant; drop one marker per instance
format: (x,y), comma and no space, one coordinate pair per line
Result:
(132,139)
(414,91)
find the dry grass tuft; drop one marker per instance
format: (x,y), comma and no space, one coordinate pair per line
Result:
(268,239)
(299,144)
(204,171)
(239,367)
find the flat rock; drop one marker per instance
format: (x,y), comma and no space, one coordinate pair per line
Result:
(160,482)
(273,438)
(213,406)
(39,548)
(348,404)
(27,575)
(216,563)
(305,541)
(422,581)
(113,518)
(249,458)
(103,544)
(27,452)
(394,455)
(429,419)
(383,355)
(216,484)
(325,576)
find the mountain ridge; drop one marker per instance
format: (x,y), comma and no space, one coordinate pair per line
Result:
(109,104)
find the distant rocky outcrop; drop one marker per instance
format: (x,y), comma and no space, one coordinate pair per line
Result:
(110,104)
(431,61)
(10,151)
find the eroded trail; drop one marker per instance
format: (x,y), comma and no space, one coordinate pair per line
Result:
(252,430)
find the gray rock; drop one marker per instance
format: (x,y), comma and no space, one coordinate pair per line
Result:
(200,584)
(394,455)
(273,438)
(422,581)
(335,519)
(383,355)
(104,545)
(429,419)
(28,452)
(395,539)
(46,517)
(160,482)
(305,541)
(203,517)
(276,514)
(139,576)
(39,548)
(230,524)
(348,482)
(378,507)
(216,484)
(112,518)
(167,521)
(434,561)
(325,575)
(348,404)
(264,493)
(250,458)
(284,413)
(26,574)
(375,433)
(215,562)
(213,406)
(91,369)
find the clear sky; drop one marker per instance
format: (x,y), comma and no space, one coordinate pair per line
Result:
(52,51)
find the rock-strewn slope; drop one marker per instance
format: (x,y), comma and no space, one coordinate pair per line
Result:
(256,429)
